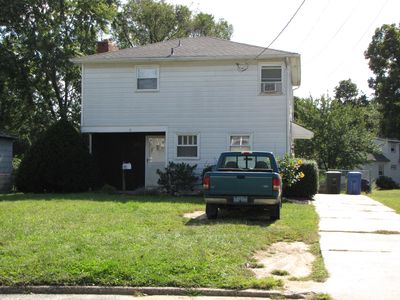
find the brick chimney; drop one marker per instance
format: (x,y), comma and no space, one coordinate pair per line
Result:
(106,46)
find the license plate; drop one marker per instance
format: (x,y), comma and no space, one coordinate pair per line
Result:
(239,199)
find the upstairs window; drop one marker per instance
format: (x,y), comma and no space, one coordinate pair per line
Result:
(381,169)
(271,80)
(392,147)
(239,143)
(147,78)
(188,146)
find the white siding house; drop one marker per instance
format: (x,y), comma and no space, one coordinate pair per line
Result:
(187,101)
(388,162)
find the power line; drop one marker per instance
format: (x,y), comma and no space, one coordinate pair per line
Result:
(287,24)
(335,34)
(315,23)
(360,39)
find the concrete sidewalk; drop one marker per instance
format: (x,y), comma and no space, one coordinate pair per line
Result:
(363,263)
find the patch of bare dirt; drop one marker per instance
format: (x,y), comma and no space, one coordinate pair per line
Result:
(294,258)
(196,215)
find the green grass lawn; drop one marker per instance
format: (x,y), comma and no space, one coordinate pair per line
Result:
(390,198)
(138,241)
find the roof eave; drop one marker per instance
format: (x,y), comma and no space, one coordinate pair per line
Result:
(84,60)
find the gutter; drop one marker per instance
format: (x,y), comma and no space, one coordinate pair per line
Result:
(87,60)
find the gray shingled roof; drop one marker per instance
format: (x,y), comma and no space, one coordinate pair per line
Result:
(4,135)
(377,157)
(200,48)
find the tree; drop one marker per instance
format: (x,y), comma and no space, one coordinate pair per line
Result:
(150,21)
(341,140)
(383,54)
(39,84)
(205,25)
(346,91)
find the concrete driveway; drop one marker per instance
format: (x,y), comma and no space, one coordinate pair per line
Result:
(360,243)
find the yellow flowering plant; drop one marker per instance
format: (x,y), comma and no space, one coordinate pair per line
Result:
(289,170)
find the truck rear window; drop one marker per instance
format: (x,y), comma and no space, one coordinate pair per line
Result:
(247,162)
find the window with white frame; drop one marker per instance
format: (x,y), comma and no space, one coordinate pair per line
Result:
(239,143)
(188,146)
(271,79)
(147,78)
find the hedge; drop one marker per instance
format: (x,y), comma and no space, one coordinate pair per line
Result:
(58,162)
(306,187)
(386,183)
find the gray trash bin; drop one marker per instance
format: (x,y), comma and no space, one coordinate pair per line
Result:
(333,182)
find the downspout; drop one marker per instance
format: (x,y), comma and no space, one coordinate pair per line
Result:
(288,80)
(292,139)
(82,84)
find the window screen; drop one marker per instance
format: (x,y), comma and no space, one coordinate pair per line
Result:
(239,143)
(147,78)
(187,146)
(271,79)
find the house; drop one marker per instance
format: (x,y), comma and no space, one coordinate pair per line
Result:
(185,100)
(387,163)
(6,168)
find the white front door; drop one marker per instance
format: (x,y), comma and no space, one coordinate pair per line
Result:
(155,159)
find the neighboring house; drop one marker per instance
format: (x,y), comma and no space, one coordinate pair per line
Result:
(185,100)
(386,163)
(6,155)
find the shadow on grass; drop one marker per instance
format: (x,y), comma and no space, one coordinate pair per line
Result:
(235,216)
(100,197)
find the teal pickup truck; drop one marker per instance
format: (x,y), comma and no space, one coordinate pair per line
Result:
(246,179)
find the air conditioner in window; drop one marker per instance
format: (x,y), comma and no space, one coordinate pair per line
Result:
(269,87)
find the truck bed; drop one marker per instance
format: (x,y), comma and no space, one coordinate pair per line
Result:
(236,183)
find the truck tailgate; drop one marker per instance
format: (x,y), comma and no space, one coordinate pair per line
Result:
(241,183)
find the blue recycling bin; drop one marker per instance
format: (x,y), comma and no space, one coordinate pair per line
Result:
(354,183)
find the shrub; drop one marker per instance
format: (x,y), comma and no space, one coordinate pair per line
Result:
(307,186)
(58,162)
(289,170)
(386,183)
(108,189)
(177,177)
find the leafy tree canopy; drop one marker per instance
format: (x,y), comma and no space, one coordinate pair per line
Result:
(342,138)
(383,54)
(150,21)
(346,92)
(38,83)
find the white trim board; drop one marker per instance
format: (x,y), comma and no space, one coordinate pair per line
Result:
(93,129)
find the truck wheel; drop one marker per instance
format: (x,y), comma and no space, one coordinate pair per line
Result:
(211,211)
(276,212)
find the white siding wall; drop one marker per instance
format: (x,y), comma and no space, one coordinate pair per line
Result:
(394,157)
(213,100)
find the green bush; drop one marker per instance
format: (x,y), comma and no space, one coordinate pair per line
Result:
(307,186)
(58,162)
(289,170)
(386,183)
(177,177)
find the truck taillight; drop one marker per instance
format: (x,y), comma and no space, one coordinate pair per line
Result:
(206,182)
(276,183)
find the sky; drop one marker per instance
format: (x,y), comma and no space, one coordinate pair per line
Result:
(330,35)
